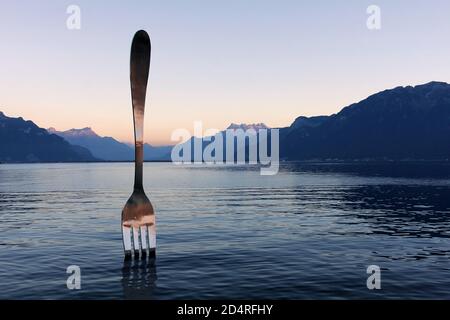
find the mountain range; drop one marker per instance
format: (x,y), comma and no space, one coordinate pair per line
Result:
(244,126)
(24,141)
(108,148)
(239,132)
(401,123)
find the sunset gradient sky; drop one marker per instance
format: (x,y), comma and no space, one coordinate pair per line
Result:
(214,61)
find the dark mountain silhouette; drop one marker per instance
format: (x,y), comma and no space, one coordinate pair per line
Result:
(108,148)
(305,122)
(402,123)
(24,141)
(302,123)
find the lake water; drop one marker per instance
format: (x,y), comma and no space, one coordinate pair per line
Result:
(227,232)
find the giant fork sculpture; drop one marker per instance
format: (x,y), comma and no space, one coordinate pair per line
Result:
(138,218)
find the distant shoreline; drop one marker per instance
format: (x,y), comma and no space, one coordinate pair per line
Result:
(100,161)
(355,161)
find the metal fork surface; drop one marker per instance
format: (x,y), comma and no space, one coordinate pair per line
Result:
(138,217)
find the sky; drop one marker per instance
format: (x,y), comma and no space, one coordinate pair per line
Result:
(241,61)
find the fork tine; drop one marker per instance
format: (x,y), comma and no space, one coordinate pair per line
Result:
(136,240)
(126,234)
(152,236)
(144,238)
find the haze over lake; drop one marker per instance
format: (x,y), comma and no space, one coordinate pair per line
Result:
(310,231)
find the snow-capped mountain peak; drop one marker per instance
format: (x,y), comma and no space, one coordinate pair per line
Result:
(85,132)
(244,126)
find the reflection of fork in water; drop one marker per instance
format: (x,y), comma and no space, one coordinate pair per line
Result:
(138,278)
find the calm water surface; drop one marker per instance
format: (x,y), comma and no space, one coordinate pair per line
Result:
(228,232)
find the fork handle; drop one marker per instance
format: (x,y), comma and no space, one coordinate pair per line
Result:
(139,70)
